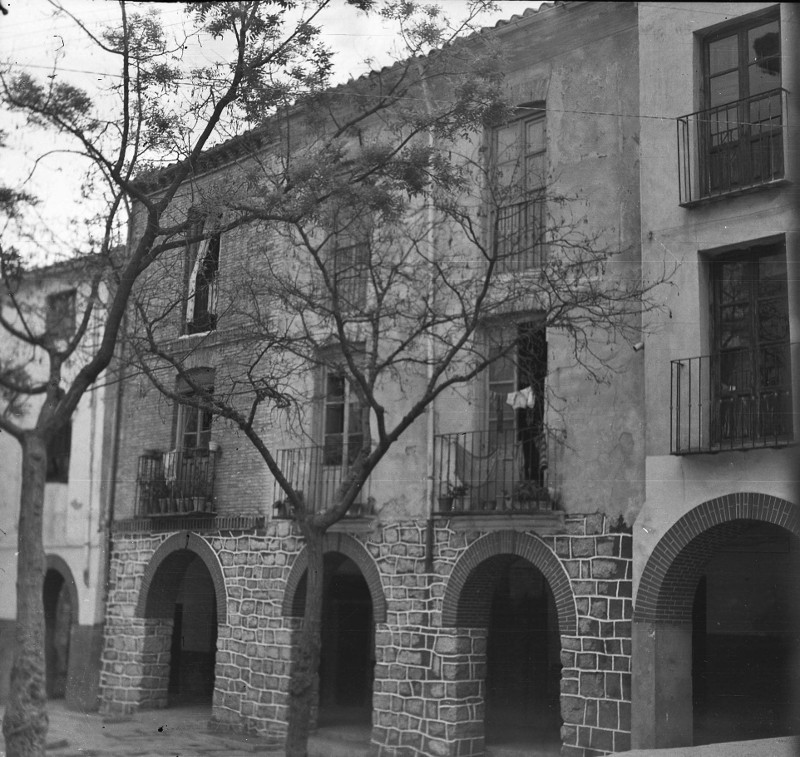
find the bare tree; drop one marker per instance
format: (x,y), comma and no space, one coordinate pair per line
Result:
(162,112)
(370,240)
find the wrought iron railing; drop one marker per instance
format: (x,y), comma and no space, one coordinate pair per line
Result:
(491,471)
(519,236)
(306,471)
(737,399)
(732,147)
(180,482)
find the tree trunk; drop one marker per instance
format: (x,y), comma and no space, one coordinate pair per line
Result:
(25,722)
(302,687)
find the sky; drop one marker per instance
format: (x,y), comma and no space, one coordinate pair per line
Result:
(34,39)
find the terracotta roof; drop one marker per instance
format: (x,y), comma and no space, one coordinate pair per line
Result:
(255,138)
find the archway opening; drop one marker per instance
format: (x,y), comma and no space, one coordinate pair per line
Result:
(744,637)
(523,654)
(347,655)
(58,612)
(182,594)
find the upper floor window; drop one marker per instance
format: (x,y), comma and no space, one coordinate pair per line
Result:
(740,395)
(349,269)
(750,359)
(518,223)
(342,434)
(58,455)
(739,132)
(60,314)
(516,398)
(202,296)
(193,424)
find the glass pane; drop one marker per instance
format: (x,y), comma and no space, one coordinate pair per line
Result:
(334,387)
(723,88)
(773,321)
(354,442)
(733,284)
(354,418)
(333,451)
(761,80)
(771,276)
(734,326)
(501,372)
(764,46)
(774,366)
(723,54)
(334,418)
(535,136)
(506,138)
(535,167)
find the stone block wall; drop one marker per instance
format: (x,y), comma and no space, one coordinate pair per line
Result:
(429,682)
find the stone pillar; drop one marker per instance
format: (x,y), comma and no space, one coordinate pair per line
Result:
(156,657)
(429,691)
(662,714)
(135,667)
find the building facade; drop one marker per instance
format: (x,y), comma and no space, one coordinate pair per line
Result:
(75,514)
(715,545)
(525,589)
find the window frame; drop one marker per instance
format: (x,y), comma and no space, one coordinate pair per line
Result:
(340,454)
(738,404)
(60,311)
(201,417)
(528,423)
(202,287)
(523,209)
(741,140)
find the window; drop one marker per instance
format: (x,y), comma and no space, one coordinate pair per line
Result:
(520,159)
(58,454)
(350,265)
(742,135)
(201,304)
(751,370)
(193,424)
(516,398)
(342,437)
(60,316)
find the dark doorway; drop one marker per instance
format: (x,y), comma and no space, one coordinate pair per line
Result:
(523,667)
(183,592)
(58,612)
(348,642)
(744,667)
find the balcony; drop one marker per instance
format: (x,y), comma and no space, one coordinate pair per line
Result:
(176,483)
(735,400)
(306,469)
(731,148)
(490,472)
(519,236)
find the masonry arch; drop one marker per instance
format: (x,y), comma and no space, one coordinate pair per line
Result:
(353,603)
(345,545)
(459,607)
(60,598)
(155,605)
(701,614)
(183,601)
(512,588)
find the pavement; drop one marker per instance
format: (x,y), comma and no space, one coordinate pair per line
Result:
(174,732)
(184,732)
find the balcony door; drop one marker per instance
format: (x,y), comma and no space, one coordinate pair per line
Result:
(515,407)
(751,369)
(743,129)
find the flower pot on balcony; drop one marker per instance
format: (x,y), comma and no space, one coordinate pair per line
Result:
(198,504)
(184,505)
(445,503)
(163,505)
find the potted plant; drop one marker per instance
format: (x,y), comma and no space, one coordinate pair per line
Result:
(528,494)
(454,493)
